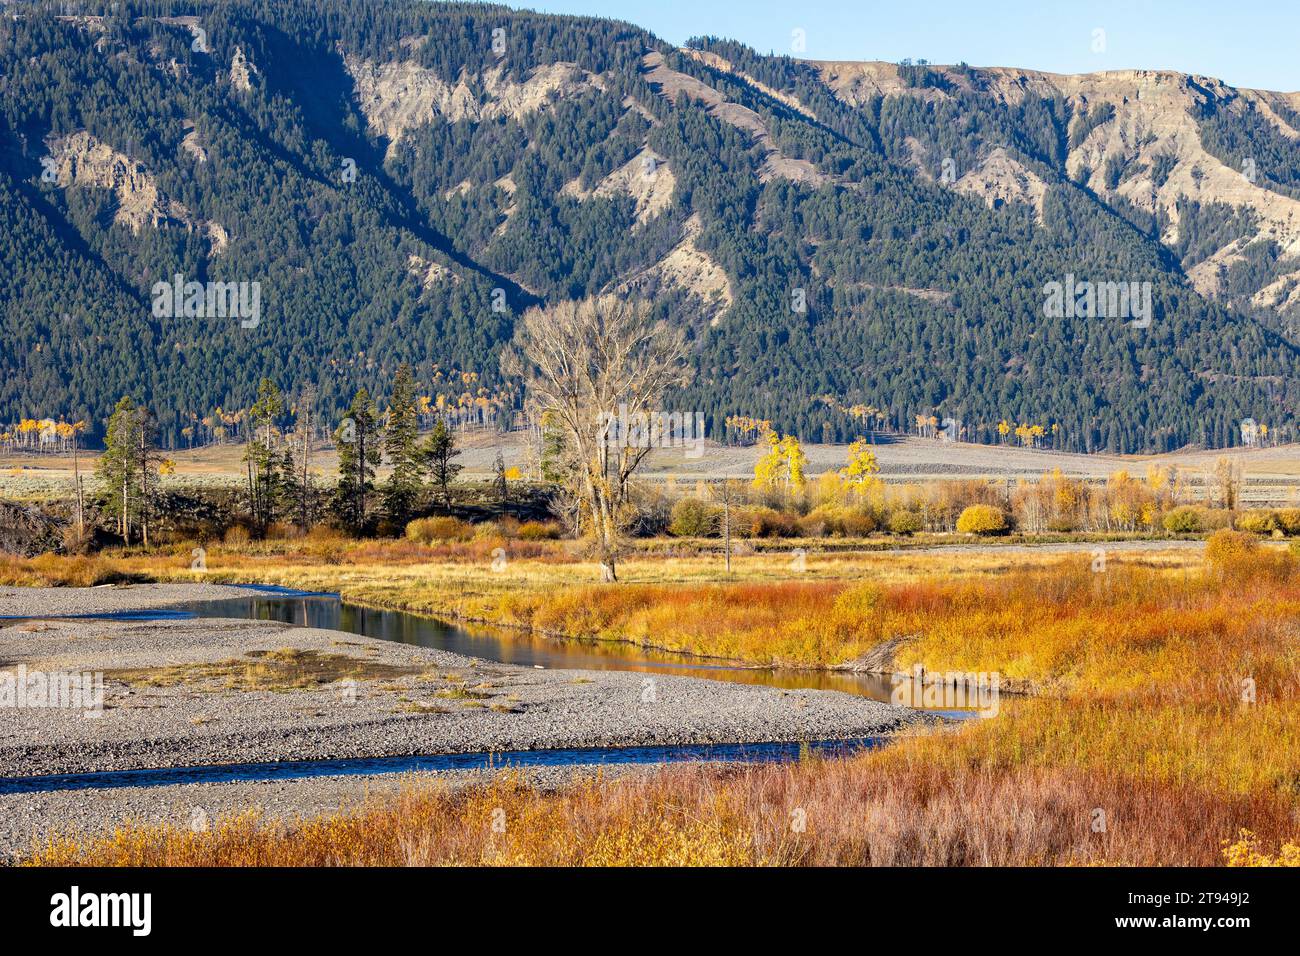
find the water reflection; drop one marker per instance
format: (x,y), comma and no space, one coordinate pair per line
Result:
(523,648)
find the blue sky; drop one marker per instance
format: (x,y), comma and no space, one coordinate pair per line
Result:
(1252,44)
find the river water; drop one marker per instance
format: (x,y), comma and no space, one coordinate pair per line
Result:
(505,645)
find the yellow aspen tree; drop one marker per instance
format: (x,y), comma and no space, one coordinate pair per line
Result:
(796,463)
(767,470)
(862,466)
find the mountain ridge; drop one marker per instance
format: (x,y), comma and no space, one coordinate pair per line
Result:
(810,241)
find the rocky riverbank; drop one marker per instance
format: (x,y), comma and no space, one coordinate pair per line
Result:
(188,692)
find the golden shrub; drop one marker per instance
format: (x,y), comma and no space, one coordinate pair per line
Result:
(1259,521)
(982,519)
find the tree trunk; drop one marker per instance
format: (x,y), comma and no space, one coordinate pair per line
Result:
(252,490)
(361,478)
(306,456)
(726,531)
(81,498)
(603,521)
(144,484)
(607,545)
(608,569)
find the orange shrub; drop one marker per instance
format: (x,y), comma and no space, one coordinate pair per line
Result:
(496,530)
(539,531)
(857,524)
(236,536)
(429,530)
(1227,548)
(821,521)
(52,570)
(892,807)
(1237,556)
(768,523)
(326,543)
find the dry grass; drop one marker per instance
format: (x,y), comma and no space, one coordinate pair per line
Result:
(464,579)
(884,809)
(49,570)
(1168,703)
(283,670)
(1059,628)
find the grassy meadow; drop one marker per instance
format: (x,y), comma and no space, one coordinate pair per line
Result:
(1156,720)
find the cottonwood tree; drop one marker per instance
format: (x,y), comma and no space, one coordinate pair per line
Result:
(784,465)
(584,362)
(1227,476)
(728,494)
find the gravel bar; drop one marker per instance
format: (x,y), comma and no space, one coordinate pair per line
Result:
(108,598)
(404,700)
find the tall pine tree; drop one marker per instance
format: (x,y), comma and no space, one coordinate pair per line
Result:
(357,441)
(260,457)
(439,452)
(401,436)
(127,467)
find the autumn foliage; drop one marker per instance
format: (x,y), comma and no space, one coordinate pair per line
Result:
(982,519)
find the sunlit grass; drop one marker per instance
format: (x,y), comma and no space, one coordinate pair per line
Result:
(1165,700)
(282,670)
(889,808)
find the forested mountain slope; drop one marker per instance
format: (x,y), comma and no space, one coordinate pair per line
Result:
(403,179)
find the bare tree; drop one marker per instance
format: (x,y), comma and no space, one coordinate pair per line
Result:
(727,493)
(589,363)
(1227,475)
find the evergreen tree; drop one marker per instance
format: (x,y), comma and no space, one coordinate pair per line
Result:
(299,487)
(288,486)
(260,458)
(400,445)
(127,468)
(439,452)
(357,441)
(556,465)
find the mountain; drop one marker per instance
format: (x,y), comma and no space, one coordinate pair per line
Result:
(396,182)
(1210,171)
